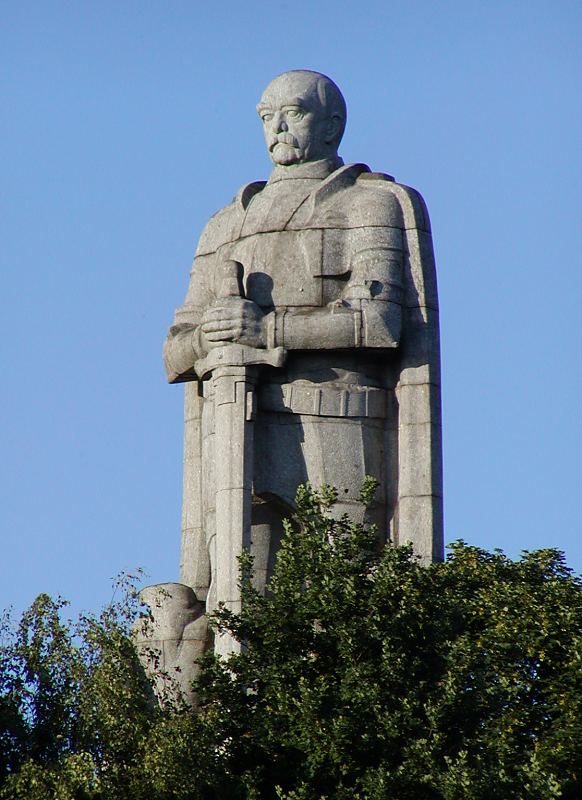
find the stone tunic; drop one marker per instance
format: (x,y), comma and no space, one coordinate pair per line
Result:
(340,261)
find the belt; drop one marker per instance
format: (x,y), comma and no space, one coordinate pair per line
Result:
(323,401)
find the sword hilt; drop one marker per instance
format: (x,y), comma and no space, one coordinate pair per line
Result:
(231,280)
(233,354)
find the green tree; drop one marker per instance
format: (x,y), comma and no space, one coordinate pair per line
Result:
(363,675)
(75,706)
(367,675)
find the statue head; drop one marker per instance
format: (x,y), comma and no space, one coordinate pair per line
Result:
(304,117)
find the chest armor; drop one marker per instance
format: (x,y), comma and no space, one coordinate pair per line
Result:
(295,246)
(282,268)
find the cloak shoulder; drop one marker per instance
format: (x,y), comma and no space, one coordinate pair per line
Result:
(224,226)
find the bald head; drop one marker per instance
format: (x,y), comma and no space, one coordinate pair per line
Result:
(304,117)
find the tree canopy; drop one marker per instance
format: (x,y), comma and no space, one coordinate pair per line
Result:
(363,675)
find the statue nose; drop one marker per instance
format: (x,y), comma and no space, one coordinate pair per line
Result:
(279,123)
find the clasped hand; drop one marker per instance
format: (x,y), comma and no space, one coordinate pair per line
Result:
(233,320)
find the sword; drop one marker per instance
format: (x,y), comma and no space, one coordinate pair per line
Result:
(234,370)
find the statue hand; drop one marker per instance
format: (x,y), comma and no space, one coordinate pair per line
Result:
(227,321)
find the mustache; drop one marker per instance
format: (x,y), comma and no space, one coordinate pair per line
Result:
(283,138)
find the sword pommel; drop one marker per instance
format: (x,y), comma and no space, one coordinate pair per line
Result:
(231,280)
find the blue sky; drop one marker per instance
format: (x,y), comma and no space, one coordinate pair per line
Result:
(126,125)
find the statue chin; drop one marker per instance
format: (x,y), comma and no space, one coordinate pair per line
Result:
(285,154)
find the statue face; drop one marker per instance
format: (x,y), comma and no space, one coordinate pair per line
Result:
(296,126)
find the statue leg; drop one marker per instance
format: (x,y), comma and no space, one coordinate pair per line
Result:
(194,566)
(291,449)
(341,452)
(267,530)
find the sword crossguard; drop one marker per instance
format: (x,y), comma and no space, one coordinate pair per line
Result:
(239,355)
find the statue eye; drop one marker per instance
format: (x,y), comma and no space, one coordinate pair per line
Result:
(294,113)
(267,116)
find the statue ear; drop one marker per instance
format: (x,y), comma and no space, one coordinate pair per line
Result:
(334,127)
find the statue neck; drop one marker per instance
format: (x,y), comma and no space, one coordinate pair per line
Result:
(317,170)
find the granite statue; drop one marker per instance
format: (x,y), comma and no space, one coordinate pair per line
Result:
(308,344)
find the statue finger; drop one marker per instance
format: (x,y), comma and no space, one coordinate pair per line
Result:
(219,336)
(219,325)
(216,312)
(224,332)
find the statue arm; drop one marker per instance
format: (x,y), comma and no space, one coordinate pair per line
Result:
(183,347)
(368,315)
(181,351)
(215,313)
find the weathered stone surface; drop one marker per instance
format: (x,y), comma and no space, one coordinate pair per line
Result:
(170,641)
(194,556)
(333,265)
(418,515)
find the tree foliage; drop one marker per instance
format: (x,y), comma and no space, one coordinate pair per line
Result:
(363,675)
